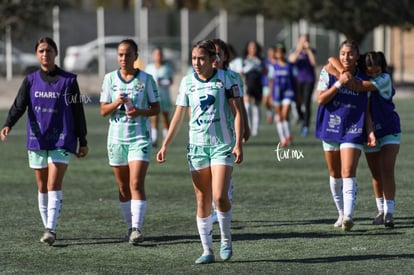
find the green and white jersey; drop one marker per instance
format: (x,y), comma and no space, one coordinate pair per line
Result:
(237,79)
(142,91)
(383,83)
(212,120)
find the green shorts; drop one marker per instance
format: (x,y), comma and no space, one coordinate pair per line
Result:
(388,139)
(40,158)
(200,157)
(165,100)
(121,154)
(336,146)
(266,91)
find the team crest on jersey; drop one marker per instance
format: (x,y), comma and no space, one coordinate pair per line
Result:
(218,84)
(140,87)
(206,101)
(334,120)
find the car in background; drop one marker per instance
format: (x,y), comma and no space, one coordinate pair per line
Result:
(22,63)
(84,58)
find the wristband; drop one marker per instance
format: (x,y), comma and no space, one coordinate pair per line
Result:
(338,85)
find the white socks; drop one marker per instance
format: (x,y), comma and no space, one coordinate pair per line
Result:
(205,230)
(42,199)
(385,206)
(126,212)
(138,208)
(53,209)
(255,119)
(336,190)
(349,194)
(389,206)
(283,129)
(154,135)
(164,132)
(224,219)
(380,204)
(344,192)
(286,128)
(279,128)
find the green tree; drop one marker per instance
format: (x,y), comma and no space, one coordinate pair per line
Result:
(353,18)
(22,15)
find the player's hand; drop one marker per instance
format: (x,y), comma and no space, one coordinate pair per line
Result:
(372,140)
(238,154)
(161,155)
(132,113)
(4,133)
(83,151)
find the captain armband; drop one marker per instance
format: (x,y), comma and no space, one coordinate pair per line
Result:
(233,92)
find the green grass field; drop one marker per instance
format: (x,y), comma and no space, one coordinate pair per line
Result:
(283,213)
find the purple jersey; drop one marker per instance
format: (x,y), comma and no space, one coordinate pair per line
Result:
(50,123)
(385,120)
(343,118)
(284,82)
(305,70)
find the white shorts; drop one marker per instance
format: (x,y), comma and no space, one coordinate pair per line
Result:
(336,146)
(39,159)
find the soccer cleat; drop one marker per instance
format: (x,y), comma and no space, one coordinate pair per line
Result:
(48,237)
(289,140)
(305,131)
(284,143)
(205,259)
(379,219)
(225,252)
(338,222)
(127,235)
(389,221)
(347,223)
(135,237)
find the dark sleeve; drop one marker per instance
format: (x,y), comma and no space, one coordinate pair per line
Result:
(78,114)
(19,105)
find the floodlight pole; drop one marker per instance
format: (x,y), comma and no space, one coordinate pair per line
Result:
(185,38)
(9,54)
(56,27)
(223,18)
(101,41)
(260,29)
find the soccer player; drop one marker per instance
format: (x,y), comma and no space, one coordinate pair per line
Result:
(129,96)
(56,129)
(305,62)
(340,125)
(282,87)
(222,62)
(382,155)
(267,95)
(253,70)
(215,142)
(162,73)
